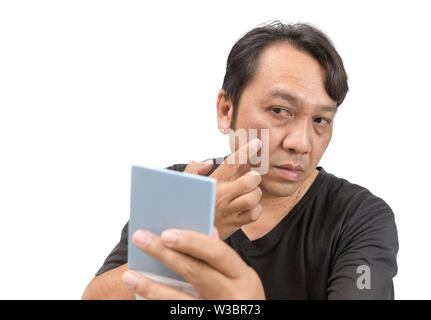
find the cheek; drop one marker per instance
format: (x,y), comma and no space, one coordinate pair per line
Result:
(275,136)
(318,149)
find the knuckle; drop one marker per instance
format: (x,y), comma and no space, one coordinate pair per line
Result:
(254,218)
(246,218)
(255,213)
(218,202)
(258,178)
(248,183)
(191,269)
(254,180)
(248,201)
(253,197)
(237,221)
(218,254)
(259,192)
(249,215)
(189,166)
(219,205)
(221,200)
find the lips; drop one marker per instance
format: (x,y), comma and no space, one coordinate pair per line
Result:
(289,171)
(290,166)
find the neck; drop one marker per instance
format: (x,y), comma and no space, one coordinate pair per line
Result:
(272,203)
(275,209)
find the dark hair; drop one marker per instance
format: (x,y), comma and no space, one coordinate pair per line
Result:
(241,63)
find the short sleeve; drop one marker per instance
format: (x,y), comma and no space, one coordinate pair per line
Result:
(364,263)
(118,255)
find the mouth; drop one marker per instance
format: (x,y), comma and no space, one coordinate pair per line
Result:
(289,171)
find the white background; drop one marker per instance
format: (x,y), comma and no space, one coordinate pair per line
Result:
(88,88)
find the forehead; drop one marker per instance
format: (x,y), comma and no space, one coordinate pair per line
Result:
(281,66)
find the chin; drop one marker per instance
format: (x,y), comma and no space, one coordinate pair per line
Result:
(279,189)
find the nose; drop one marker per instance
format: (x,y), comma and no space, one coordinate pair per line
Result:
(297,138)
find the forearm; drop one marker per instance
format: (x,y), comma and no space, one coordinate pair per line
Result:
(109,286)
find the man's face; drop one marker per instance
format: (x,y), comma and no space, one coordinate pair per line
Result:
(287,96)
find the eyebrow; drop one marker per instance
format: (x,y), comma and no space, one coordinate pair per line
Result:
(290,97)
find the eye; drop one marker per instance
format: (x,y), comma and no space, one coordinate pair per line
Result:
(323,121)
(280,111)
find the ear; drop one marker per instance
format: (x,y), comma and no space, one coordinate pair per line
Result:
(224,112)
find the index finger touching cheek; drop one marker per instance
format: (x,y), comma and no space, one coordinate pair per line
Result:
(236,164)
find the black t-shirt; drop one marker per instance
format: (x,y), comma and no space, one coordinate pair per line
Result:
(338,242)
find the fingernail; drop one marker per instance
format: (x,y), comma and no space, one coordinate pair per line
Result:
(130,279)
(255,144)
(142,237)
(169,237)
(208,162)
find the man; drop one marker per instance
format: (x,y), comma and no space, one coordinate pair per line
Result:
(296,232)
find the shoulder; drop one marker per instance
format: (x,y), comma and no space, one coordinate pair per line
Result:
(351,197)
(359,212)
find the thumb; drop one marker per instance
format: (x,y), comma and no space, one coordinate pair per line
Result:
(199,168)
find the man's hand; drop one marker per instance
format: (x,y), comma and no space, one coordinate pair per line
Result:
(199,168)
(238,193)
(213,268)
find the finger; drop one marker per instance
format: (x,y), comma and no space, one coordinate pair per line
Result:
(244,184)
(202,277)
(236,164)
(152,290)
(246,201)
(248,216)
(199,168)
(213,252)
